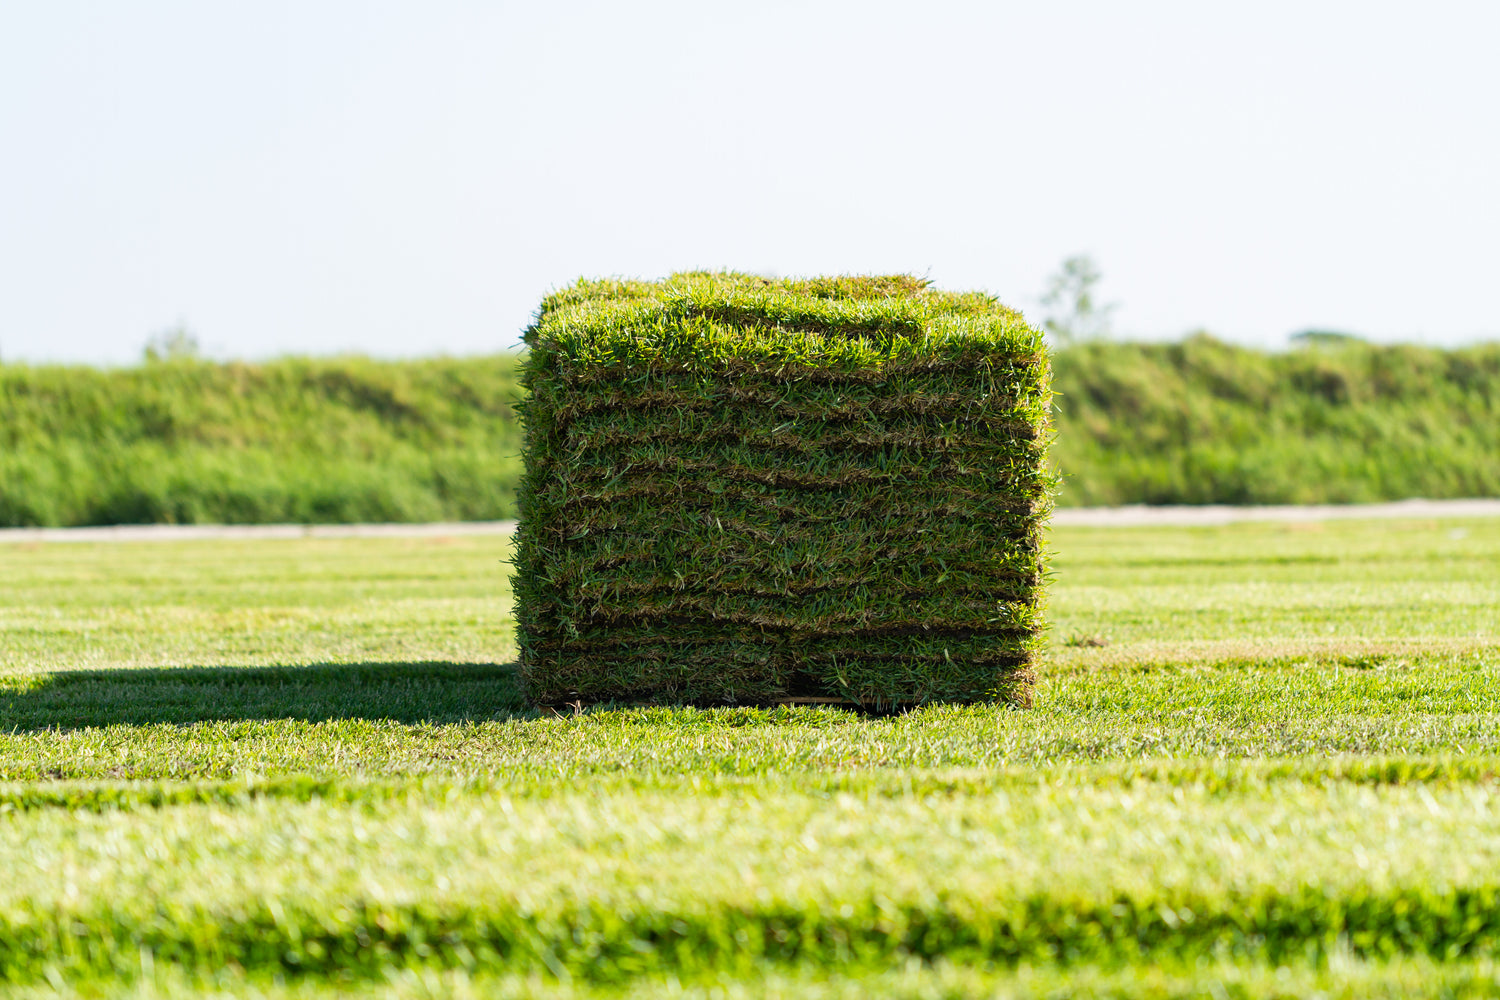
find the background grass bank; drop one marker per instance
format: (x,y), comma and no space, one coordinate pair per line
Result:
(296,440)
(1339,421)
(357,440)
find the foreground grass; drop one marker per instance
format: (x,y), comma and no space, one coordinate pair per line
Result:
(222,763)
(1342,978)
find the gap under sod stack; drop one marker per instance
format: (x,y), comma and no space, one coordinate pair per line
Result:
(751,490)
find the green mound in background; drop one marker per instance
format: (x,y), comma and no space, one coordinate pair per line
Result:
(739,489)
(307,440)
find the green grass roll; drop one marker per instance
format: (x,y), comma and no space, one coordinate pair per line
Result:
(748,490)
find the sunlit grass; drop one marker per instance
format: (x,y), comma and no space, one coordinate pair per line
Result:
(298,440)
(227,762)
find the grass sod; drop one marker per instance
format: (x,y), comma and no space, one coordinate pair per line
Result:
(70,607)
(1344,978)
(1293,772)
(725,474)
(608,887)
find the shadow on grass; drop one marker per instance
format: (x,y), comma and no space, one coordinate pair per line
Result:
(436,692)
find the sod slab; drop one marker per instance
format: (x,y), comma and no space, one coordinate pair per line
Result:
(747,490)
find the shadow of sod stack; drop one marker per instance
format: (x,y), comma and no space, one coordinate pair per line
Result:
(748,490)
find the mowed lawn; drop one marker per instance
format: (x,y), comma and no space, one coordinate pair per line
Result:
(1264,761)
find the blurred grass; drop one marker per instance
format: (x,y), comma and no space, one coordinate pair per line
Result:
(295,440)
(350,439)
(1202,421)
(299,768)
(254,603)
(148,661)
(1345,978)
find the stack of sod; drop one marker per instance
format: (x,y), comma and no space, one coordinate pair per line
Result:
(740,489)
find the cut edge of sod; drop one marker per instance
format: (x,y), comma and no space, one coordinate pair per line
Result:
(744,490)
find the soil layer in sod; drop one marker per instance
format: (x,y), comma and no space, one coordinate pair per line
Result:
(740,489)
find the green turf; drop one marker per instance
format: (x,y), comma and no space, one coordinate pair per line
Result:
(1342,978)
(1204,421)
(227,762)
(291,440)
(351,439)
(740,490)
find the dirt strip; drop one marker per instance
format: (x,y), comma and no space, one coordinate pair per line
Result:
(1210,514)
(192,532)
(1097,517)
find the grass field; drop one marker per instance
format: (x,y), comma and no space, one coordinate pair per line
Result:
(1265,761)
(1204,421)
(355,439)
(302,440)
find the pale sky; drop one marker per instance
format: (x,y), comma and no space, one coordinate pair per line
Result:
(398,179)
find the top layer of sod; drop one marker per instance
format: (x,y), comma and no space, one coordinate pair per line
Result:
(744,489)
(725,324)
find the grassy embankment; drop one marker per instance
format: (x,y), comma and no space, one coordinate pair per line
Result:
(1279,776)
(1204,422)
(358,440)
(299,440)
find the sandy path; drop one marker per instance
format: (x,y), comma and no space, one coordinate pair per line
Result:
(1103,517)
(188,532)
(1184,517)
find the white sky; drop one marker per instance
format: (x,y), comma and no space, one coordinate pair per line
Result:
(310,176)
